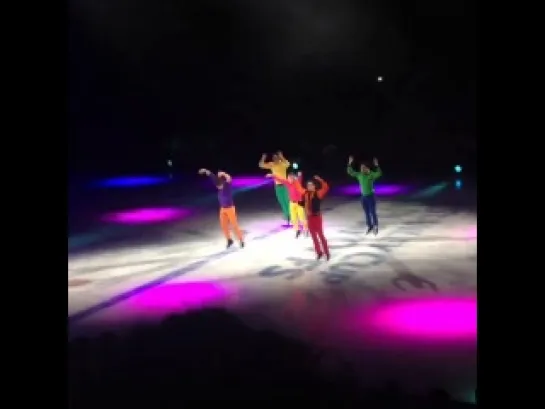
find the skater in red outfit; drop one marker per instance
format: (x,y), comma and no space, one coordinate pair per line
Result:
(312,199)
(297,211)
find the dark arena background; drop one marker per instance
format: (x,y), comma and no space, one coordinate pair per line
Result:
(160,313)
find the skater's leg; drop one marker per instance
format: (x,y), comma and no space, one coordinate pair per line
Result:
(302,217)
(313,227)
(283,200)
(367,210)
(294,219)
(373,210)
(232,219)
(321,236)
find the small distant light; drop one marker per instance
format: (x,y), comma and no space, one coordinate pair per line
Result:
(458,184)
(295,166)
(458,169)
(169,162)
(379,79)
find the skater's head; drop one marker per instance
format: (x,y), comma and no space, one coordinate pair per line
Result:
(291,177)
(311,186)
(220,180)
(365,169)
(275,158)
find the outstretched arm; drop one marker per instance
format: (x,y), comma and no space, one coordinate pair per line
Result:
(214,179)
(323,189)
(227,176)
(278,179)
(211,175)
(263,164)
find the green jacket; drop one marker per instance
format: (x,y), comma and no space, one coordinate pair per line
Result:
(366,180)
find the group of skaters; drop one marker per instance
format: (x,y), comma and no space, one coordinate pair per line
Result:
(300,202)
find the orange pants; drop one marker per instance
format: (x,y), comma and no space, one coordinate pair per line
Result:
(228,216)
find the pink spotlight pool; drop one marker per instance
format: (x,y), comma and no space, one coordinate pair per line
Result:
(146,215)
(428,319)
(420,321)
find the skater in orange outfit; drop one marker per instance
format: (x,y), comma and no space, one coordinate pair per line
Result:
(297,211)
(228,215)
(312,199)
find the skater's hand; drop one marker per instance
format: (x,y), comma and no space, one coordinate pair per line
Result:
(317,177)
(299,174)
(264,156)
(375,161)
(225,175)
(350,159)
(269,175)
(204,172)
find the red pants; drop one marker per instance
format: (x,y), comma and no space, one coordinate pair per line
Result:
(316,230)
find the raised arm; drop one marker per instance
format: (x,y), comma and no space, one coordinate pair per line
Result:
(227,176)
(349,169)
(300,177)
(300,189)
(263,164)
(352,172)
(323,189)
(284,161)
(378,171)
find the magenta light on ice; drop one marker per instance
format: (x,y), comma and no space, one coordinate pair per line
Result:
(447,319)
(179,297)
(146,215)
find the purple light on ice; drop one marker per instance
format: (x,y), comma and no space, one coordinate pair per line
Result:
(249,181)
(178,297)
(146,215)
(440,319)
(380,190)
(132,181)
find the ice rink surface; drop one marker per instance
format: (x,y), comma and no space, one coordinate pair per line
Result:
(402,303)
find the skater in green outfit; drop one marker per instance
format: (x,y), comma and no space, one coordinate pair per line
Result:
(366,178)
